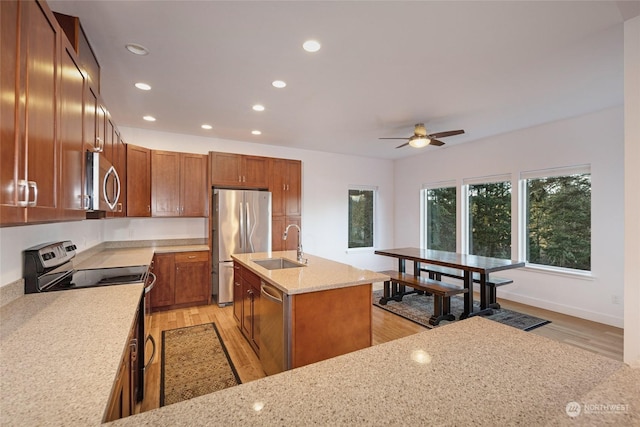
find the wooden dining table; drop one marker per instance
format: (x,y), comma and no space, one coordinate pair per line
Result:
(469,264)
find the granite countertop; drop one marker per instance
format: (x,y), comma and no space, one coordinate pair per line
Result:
(317,275)
(472,372)
(61,352)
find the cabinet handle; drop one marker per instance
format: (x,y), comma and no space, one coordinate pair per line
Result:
(191,256)
(239,178)
(244,179)
(148,208)
(23,187)
(34,185)
(98,146)
(119,207)
(85,201)
(287,187)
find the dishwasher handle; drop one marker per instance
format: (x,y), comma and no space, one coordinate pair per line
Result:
(270,293)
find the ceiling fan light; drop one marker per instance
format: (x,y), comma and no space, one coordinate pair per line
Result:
(419,142)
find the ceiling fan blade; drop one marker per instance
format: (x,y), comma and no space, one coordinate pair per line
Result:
(436,143)
(402,145)
(393,138)
(445,134)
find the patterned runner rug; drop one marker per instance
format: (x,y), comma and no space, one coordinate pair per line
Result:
(194,362)
(418,309)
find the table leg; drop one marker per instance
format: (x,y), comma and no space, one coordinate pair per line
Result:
(468,296)
(401,265)
(484,303)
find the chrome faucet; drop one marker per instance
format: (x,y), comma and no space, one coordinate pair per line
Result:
(299,250)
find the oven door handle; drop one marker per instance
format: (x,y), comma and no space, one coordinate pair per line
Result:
(153,353)
(148,288)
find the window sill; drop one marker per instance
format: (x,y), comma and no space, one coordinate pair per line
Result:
(359,250)
(564,272)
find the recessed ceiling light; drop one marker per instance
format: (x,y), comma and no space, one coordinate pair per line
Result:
(258,107)
(143,86)
(311,46)
(207,127)
(256,132)
(137,49)
(279,84)
(149,118)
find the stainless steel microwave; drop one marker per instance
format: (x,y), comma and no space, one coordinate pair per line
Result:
(103,183)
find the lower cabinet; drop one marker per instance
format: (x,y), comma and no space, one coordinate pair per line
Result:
(183,280)
(122,401)
(246,304)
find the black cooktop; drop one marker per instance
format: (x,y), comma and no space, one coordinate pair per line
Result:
(102,277)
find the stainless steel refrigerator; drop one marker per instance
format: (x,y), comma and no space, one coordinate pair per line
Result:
(241,223)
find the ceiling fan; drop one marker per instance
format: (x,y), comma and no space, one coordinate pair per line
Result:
(420,138)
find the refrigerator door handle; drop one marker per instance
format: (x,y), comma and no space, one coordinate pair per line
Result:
(249,231)
(242,230)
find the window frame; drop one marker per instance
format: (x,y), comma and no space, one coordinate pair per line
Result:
(523,213)
(465,226)
(374,190)
(424,238)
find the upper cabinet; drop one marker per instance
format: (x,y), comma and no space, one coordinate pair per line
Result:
(236,170)
(138,181)
(30,147)
(286,187)
(178,184)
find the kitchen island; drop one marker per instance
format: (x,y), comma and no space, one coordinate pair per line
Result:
(297,313)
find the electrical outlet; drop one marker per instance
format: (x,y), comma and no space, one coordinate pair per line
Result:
(615,299)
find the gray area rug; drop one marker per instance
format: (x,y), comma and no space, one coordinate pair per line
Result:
(418,309)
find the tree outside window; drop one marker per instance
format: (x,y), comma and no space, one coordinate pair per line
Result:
(361,204)
(441,218)
(490,219)
(559,221)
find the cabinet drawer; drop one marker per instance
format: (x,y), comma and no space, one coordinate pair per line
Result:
(191,256)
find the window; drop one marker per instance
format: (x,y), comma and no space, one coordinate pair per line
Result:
(489,218)
(558,218)
(361,218)
(440,218)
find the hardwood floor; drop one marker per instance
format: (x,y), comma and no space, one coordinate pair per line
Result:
(591,336)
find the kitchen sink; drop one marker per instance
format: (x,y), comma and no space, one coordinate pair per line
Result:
(277,263)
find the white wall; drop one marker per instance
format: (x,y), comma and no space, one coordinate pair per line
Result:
(632,192)
(595,139)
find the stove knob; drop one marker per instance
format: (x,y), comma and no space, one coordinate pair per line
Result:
(46,256)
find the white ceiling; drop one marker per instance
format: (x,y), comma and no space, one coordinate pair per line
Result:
(486,67)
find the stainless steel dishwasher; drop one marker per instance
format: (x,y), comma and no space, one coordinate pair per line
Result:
(274,329)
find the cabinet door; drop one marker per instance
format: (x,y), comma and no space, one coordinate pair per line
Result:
(11,155)
(277,229)
(163,291)
(237,293)
(192,277)
(225,169)
(72,81)
(40,45)
(255,318)
(255,172)
(294,188)
(193,185)
(138,181)
(278,187)
(165,183)
(91,142)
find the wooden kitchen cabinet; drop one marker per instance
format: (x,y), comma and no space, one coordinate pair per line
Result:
(240,171)
(30,153)
(286,187)
(138,181)
(178,184)
(246,303)
(73,197)
(183,280)
(122,401)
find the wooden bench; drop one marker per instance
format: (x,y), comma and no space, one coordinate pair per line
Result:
(436,272)
(441,291)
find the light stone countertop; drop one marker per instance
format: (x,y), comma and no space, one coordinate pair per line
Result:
(317,275)
(472,372)
(131,256)
(61,352)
